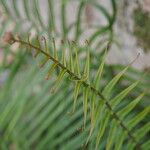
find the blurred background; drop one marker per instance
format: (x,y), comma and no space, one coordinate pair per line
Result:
(131,26)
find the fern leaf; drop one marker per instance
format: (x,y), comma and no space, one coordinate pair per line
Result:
(71,62)
(130,106)
(50,71)
(122,113)
(138,118)
(111,137)
(76,61)
(76,92)
(102,128)
(145,146)
(39,45)
(119,141)
(140,133)
(57,82)
(117,99)
(107,90)
(85,103)
(96,84)
(54,50)
(87,64)
(63,54)
(44,61)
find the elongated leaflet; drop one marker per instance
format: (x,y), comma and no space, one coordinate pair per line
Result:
(50,71)
(39,45)
(85,103)
(54,49)
(63,53)
(75,94)
(93,97)
(58,80)
(45,44)
(44,61)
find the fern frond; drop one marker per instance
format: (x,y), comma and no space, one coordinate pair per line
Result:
(32,117)
(108,110)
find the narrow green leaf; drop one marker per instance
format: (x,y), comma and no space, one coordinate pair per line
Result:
(146,145)
(63,54)
(75,94)
(39,117)
(39,46)
(131,123)
(140,133)
(107,90)
(71,62)
(50,71)
(44,61)
(97,80)
(45,44)
(87,64)
(99,72)
(119,140)
(85,103)
(99,109)
(58,80)
(122,113)
(111,135)
(76,61)
(86,90)
(15,118)
(54,50)
(118,98)
(93,97)
(102,128)
(55,110)
(60,127)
